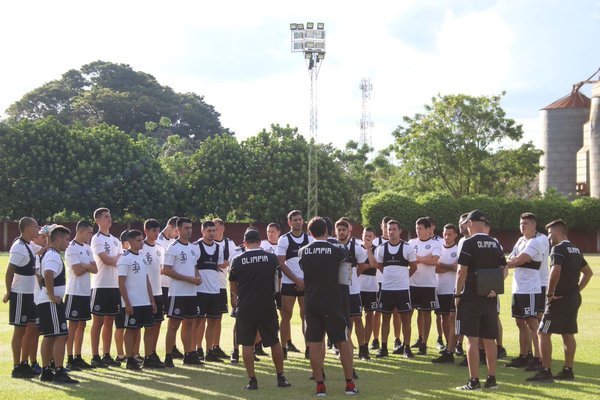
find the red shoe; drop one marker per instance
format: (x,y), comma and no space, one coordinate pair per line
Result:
(321,390)
(351,388)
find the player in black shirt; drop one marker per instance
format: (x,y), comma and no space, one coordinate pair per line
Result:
(569,275)
(476,315)
(320,262)
(252,278)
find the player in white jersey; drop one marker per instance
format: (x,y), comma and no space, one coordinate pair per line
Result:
(526,259)
(165,238)
(398,261)
(292,282)
(228,247)
(51,308)
(423,282)
(369,287)
(137,299)
(154,254)
(180,266)
(209,264)
(106,298)
(80,264)
(20,282)
(446,275)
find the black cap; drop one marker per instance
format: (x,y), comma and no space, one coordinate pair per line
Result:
(123,236)
(477,215)
(251,235)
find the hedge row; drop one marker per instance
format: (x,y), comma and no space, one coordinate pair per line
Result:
(582,214)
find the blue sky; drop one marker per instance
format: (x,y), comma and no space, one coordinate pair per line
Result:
(237,54)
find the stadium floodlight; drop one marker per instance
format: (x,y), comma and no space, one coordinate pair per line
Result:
(309,45)
(321,56)
(310,34)
(293,26)
(300,26)
(298,35)
(310,25)
(298,46)
(320,25)
(308,55)
(319,34)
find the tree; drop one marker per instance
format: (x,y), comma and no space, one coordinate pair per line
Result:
(456,146)
(104,92)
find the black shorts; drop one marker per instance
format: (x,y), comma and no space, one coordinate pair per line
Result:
(446,304)
(477,317)
(524,305)
(77,308)
(165,292)
(355,305)
(395,299)
(369,301)
(180,307)
(423,298)
(160,306)
(22,309)
(106,301)
(289,289)
(560,315)
(320,321)
(278,300)
(223,301)
(540,301)
(142,316)
(210,305)
(268,328)
(53,321)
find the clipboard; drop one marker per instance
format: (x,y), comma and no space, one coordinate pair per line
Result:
(489,279)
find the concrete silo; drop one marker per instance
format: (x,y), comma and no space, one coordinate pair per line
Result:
(594,132)
(562,137)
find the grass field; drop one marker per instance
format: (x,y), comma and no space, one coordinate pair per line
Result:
(390,378)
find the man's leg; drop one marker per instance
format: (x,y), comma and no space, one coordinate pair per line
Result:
(248,355)
(277,356)
(345,358)
(119,339)
(406,326)
(31,338)
(287,308)
(448,323)
(107,325)
(187,328)
(17,343)
(217,334)
(97,322)
(546,349)
(368,326)
(317,360)
(490,355)
(570,345)
(397,321)
(385,327)
(129,337)
(524,335)
(426,324)
(473,356)
(199,328)
(376,325)
(170,337)
(359,329)
(71,337)
(301,307)
(47,350)
(533,325)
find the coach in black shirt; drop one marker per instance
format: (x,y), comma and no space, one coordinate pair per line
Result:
(251,279)
(320,262)
(477,315)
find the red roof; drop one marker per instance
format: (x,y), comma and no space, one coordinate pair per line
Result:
(572,100)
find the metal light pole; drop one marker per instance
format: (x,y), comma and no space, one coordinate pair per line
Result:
(311,42)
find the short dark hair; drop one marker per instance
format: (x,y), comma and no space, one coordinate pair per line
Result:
(451,226)
(329,224)
(99,211)
(424,221)
(369,229)
(529,216)
(274,225)
(183,220)
(317,226)
(25,222)
(173,221)
(59,230)
(394,222)
(386,219)
(83,224)
(132,234)
(218,221)
(346,219)
(208,224)
(151,224)
(293,213)
(560,224)
(431,220)
(342,222)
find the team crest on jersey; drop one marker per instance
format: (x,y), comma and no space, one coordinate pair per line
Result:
(74,313)
(97,307)
(193,252)
(63,326)
(453,254)
(24,318)
(135,267)
(158,253)
(177,311)
(131,321)
(427,246)
(115,243)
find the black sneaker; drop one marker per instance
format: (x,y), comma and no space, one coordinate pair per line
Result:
(464,362)
(473,384)
(282,382)
(440,343)
(501,352)
(217,351)
(169,361)
(519,362)
(566,374)
(71,365)
(81,363)
(422,349)
(121,359)
(408,353)
(22,371)
(399,350)
(445,358)
(47,375)
(211,357)
(153,362)
(307,353)
(109,361)
(364,353)
(176,353)
(542,376)
(36,368)
(459,350)
(490,383)
(383,352)
(61,376)
(375,344)
(291,348)
(193,359)
(535,364)
(132,364)
(417,344)
(258,349)
(97,362)
(200,353)
(397,343)
(252,384)
(235,357)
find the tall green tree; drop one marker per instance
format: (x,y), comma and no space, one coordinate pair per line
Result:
(456,145)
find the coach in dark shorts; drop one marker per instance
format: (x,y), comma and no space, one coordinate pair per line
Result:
(569,275)
(476,315)
(251,282)
(320,262)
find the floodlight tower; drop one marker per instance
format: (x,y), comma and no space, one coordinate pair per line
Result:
(311,42)
(365,121)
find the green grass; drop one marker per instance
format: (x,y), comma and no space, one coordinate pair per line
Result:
(393,377)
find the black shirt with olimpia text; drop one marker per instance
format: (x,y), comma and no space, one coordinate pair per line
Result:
(479,251)
(320,262)
(571,261)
